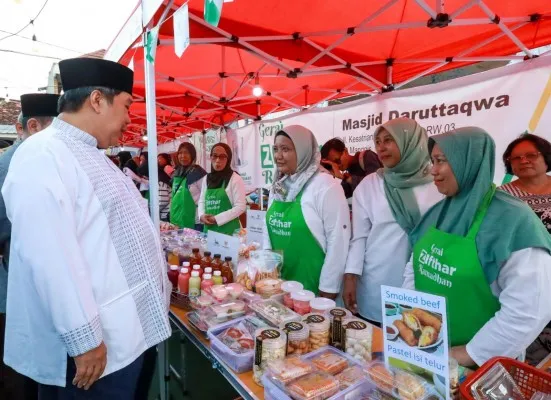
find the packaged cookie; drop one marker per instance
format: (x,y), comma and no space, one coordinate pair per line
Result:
(270,345)
(314,386)
(298,337)
(284,371)
(381,376)
(319,330)
(330,362)
(350,376)
(358,336)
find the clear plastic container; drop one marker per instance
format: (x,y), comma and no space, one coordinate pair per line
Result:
(220,292)
(330,362)
(284,371)
(273,312)
(314,386)
(229,309)
(398,383)
(321,305)
(358,337)
(268,287)
(298,337)
(239,362)
(248,297)
(496,384)
(351,376)
(201,302)
(301,301)
(270,345)
(319,330)
(288,288)
(235,289)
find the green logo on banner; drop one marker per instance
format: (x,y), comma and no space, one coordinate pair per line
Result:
(266,156)
(213,11)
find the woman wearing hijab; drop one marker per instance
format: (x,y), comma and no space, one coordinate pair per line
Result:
(223,194)
(308,217)
(186,188)
(482,249)
(386,206)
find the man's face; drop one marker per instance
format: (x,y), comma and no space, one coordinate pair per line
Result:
(35,125)
(335,156)
(114,118)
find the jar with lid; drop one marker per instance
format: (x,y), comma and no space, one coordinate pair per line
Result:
(206,261)
(319,330)
(217,262)
(206,284)
(301,301)
(298,337)
(173,276)
(288,288)
(321,304)
(270,345)
(195,256)
(358,337)
(227,271)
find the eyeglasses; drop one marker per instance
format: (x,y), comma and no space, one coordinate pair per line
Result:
(220,157)
(527,156)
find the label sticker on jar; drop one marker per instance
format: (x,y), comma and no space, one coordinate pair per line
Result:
(270,334)
(316,319)
(293,326)
(337,312)
(358,325)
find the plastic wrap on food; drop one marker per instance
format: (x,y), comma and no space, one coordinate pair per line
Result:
(330,362)
(350,376)
(496,384)
(268,287)
(398,383)
(261,264)
(228,309)
(381,376)
(274,312)
(284,371)
(314,386)
(237,338)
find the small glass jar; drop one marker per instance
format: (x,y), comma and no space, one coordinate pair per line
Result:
(298,334)
(358,339)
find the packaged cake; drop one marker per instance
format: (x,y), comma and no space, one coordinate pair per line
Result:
(290,368)
(330,362)
(350,376)
(314,386)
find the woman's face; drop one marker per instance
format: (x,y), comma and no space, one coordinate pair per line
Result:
(219,158)
(162,161)
(526,161)
(142,160)
(285,155)
(441,170)
(184,157)
(387,149)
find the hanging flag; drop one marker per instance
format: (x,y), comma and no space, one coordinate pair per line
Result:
(213,11)
(151,44)
(181,30)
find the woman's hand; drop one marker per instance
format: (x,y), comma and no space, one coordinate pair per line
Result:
(462,356)
(208,219)
(331,296)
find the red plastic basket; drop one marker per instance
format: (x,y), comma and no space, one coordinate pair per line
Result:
(528,378)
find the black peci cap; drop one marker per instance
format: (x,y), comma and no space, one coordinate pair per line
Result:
(84,72)
(39,105)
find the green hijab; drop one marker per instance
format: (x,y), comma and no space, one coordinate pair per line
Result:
(412,170)
(509,225)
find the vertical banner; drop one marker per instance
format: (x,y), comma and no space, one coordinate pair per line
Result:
(416,335)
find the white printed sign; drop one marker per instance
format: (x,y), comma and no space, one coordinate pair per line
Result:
(181,30)
(225,245)
(255,226)
(416,334)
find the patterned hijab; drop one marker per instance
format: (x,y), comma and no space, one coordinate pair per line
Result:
(287,187)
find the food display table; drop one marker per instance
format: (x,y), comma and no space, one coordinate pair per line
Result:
(243,383)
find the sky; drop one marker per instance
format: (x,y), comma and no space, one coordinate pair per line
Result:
(75,26)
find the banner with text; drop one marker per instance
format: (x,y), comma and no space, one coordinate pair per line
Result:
(506,102)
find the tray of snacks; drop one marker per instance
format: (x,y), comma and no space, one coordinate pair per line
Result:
(268,287)
(330,360)
(351,376)
(232,308)
(234,342)
(284,371)
(274,312)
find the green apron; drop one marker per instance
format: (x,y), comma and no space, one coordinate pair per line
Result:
(216,202)
(447,265)
(303,257)
(182,205)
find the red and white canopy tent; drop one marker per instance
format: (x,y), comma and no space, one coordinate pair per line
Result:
(304,52)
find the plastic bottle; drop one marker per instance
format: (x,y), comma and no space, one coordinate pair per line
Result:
(195,284)
(227,271)
(186,264)
(206,260)
(217,262)
(207,270)
(195,256)
(217,278)
(183,281)
(198,268)
(206,284)
(173,276)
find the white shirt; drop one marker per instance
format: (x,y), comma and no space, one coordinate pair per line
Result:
(86,262)
(523,288)
(195,190)
(236,193)
(327,215)
(380,249)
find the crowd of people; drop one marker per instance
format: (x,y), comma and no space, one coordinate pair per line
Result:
(83,288)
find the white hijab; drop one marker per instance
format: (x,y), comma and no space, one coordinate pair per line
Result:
(287,187)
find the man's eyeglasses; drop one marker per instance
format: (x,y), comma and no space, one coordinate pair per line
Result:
(220,157)
(527,156)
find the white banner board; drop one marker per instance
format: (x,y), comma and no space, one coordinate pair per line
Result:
(506,102)
(255,226)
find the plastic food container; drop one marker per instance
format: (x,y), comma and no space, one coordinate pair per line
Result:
(358,337)
(398,383)
(234,289)
(351,376)
(288,288)
(321,305)
(239,362)
(314,386)
(301,301)
(219,292)
(319,330)
(284,371)
(249,297)
(268,287)
(201,302)
(330,362)
(298,337)
(229,309)
(273,312)
(270,345)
